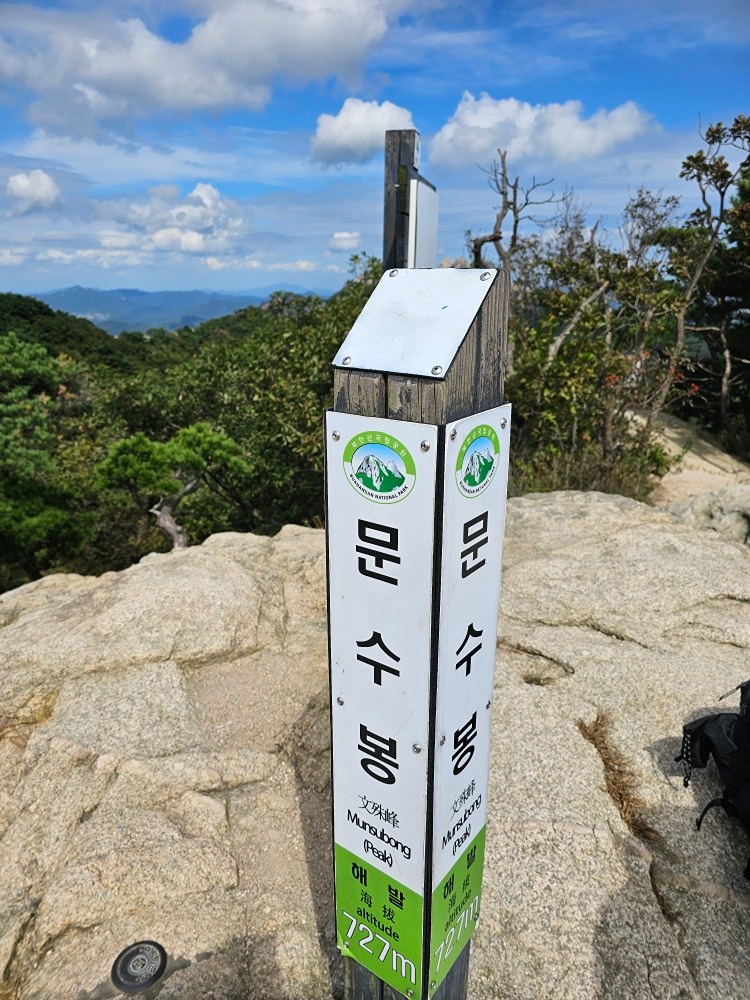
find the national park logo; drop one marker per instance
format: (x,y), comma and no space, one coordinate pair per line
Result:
(478,459)
(379,467)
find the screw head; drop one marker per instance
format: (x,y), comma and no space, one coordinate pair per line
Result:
(393,273)
(335,435)
(416,748)
(488,704)
(485,276)
(437,370)
(442,741)
(425,446)
(339,700)
(503,423)
(454,434)
(346,361)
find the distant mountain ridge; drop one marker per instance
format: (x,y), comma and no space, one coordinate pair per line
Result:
(120,309)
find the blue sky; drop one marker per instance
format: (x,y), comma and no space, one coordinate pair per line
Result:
(233,144)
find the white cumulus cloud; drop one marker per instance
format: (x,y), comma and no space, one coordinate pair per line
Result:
(33,192)
(92,71)
(357,132)
(556,132)
(11,258)
(294,265)
(201,221)
(172,238)
(98,258)
(342,241)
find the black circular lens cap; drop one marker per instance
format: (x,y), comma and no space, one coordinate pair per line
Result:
(139,966)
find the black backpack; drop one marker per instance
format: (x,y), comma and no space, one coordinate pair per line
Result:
(725,737)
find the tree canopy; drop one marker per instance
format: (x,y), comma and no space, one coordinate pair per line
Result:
(112,447)
(607,326)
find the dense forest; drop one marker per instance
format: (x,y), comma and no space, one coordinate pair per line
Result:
(112,447)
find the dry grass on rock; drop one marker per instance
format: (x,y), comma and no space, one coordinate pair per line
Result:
(620,779)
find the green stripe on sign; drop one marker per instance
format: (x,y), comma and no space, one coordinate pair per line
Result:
(379,922)
(455,908)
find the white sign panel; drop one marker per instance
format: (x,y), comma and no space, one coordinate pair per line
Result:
(381,485)
(421,247)
(474,498)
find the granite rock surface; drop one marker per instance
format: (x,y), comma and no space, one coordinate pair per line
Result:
(165,768)
(726,510)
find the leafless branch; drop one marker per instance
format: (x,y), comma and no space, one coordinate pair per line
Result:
(560,339)
(164,511)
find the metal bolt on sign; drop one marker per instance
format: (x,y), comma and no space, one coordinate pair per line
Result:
(416,486)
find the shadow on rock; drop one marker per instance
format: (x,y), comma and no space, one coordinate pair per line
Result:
(309,749)
(679,926)
(243,970)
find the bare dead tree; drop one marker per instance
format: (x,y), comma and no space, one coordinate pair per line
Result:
(164,511)
(515,204)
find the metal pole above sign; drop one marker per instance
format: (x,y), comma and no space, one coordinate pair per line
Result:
(416,480)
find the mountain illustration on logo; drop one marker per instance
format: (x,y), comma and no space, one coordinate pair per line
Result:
(379,476)
(478,467)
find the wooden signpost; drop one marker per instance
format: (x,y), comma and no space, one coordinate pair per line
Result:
(416,481)
(410,205)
